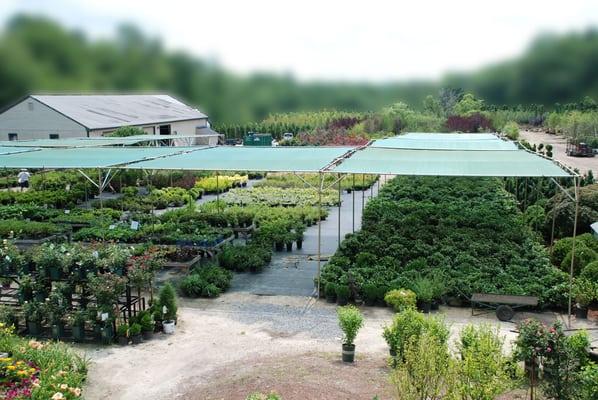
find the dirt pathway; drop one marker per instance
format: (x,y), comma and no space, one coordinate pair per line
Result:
(229,347)
(559,144)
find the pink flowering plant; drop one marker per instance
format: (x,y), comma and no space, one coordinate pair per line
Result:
(36,370)
(532,341)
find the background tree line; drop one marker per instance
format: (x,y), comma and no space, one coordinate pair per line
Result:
(37,54)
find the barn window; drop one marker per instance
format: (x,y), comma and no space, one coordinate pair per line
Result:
(30,106)
(13,136)
(54,136)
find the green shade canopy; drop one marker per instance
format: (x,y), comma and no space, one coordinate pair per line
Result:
(14,150)
(97,157)
(449,163)
(95,141)
(451,142)
(232,158)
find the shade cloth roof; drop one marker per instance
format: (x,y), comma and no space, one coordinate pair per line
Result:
(111,111)
(445,155)
(13,150)
(96,157)
(93,141)
(419,142)
(231,158)
(449,163)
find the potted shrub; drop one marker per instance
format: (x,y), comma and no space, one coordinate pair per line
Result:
(11,260)
(55,308)
(390,336)
(370,294)
(122,332)
(78,325)
(530,345)
(8,316)
(584,292)
(51,260)
(135,332)
(299,230)
(424,293)
(350,321)
(400,299)
(41,288)
(380,294)
(590,274)
(34,315)
(25,290)
(342,294)
(330,290)
(167,303)
(147,325)
(106,329)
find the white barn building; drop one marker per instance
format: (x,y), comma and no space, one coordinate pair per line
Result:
(70,116)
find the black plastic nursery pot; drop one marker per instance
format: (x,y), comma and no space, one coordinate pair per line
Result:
(34,328)
(289,246)
(299,244)
(78,333)
(369,302)
(123,340)
(136,339)
(424,306)
(107,334)
(330,298)
(341,301)
(435,305)
(57,331)
(279,246)
(581,313)
(348,353)
(147,335)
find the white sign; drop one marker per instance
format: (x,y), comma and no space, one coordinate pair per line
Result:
(67,211)
(134,225)
(112,227)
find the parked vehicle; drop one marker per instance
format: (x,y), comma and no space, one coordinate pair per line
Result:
(579,149)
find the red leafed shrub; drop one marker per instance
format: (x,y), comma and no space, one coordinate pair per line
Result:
(471,123)
(344,123)
(330,137)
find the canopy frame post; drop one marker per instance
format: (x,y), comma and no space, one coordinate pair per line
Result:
(362,193)
(576,182)
(321,179)
(353,202)
(339,208)
(100,188)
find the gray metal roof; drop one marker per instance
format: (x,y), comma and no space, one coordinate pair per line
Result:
(113,111)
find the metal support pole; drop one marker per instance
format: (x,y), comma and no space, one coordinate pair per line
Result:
(525,196)
(372,190)
(217,192)
(362,193)
(576,184)
(556,202)
(100,188)
(339,209)
(319,232)
(353,193)
(378,184)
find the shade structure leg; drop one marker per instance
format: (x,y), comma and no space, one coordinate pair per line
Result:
(319,233)
(100,188)
(372,190)
(557,199)
(378,184)
(576,188)
(362,193)
(217,192)
(353,194)
(339,209)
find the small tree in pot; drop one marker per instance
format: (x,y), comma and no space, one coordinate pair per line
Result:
(350,321)
(78,325)
(147,325)
(167,304)
(34,315)
(135,332)
(123,334)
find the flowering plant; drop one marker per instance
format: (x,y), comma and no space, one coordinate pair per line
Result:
(532,341)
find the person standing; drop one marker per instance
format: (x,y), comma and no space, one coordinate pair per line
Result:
(23,179)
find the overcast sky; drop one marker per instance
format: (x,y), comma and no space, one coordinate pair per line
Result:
(367,40)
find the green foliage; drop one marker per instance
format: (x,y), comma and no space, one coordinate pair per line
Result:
(583,256)
(167,298)
(20,229)
(123,330)
(125,131)
(565,212)
(466,234)
(590,271)
(482,371)
(209,281)
(272,196)
(55,364)
(400,299)
(135,329)
(261,396)
(511,129)
(350,321)
(468,105)
(425,370)
(588,379)
(409,324)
